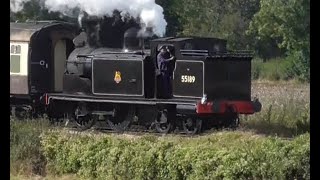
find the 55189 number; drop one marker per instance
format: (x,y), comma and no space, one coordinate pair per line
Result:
(188,79)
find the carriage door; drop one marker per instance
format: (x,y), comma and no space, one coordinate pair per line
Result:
(60,57)
(40,61)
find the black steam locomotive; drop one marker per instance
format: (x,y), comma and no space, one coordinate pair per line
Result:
(110,75)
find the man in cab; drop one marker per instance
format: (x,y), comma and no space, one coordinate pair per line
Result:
(165,72)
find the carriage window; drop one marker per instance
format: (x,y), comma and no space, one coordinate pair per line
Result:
(18,49)
(15,52)
(15,63)
(12,49)
(15,49)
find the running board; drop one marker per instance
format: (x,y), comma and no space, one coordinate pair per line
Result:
(141,102)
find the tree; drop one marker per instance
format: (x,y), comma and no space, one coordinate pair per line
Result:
(286,21)
(227,19)
(34,10)
(171,17)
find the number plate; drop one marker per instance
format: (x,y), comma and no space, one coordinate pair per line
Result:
(188,79)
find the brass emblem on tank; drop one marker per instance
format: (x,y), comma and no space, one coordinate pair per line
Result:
(117,77)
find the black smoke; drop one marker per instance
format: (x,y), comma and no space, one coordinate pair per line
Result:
(107,31)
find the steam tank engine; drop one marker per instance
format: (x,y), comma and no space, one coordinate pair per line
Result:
(113,76)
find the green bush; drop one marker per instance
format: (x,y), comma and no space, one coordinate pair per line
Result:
(295,66)
(225,155)
(256,69)
(273,70)
(299,66)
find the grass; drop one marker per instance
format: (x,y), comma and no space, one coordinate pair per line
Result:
(279,69)
(271,70)
(49,177)
(285,111)
(25,153)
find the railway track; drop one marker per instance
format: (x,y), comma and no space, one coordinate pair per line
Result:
(135,132)
(102,127)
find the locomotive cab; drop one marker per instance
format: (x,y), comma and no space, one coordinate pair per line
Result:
(164,84)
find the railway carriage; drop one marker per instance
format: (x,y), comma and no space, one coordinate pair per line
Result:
(38,51)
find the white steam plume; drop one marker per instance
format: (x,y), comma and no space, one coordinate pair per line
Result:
(150,13)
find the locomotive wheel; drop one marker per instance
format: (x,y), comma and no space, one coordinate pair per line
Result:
(85,122)
(162,123)
(82,117)
(191,125)
(118,121)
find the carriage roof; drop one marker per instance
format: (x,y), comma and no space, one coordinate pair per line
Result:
(24,31)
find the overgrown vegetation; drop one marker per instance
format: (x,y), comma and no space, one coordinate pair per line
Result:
(289,68)
(285,111)
(25,152)
(229,155)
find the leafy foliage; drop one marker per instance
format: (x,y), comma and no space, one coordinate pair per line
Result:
(294,67)
(229,155)
(216,18)
(171,16)
(34,10)
(288,23)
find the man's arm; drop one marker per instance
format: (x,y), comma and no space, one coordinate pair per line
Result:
(161,58)
(170,59)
